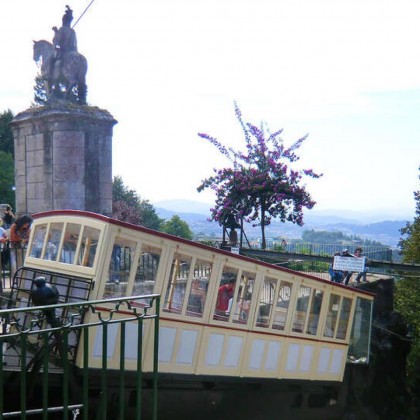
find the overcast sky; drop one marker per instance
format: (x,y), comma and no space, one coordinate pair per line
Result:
(345,72)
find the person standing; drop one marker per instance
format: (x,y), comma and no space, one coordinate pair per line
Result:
(335,275)
(4,252)
(19,236)
(8,217)
(358,254)
(3,236)
(224,295)
(3,245)
(20,231)
(346,274)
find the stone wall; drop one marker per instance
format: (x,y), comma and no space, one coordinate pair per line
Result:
(63,159)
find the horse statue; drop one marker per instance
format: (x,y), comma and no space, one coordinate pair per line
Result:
(63,75)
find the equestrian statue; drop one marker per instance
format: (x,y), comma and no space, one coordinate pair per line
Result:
(63,68)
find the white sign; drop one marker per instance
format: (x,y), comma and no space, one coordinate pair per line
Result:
(234,250)
(356,264)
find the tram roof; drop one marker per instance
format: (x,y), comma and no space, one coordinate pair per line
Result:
(106,219)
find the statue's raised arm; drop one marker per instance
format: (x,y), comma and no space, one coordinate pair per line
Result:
(62,67)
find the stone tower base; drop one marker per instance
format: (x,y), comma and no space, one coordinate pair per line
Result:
(63,159)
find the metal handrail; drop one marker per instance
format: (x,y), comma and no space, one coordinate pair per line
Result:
(40,350)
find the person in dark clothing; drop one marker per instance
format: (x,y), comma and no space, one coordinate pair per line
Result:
(8,217)
(346,274)
(336,275)
(362,274)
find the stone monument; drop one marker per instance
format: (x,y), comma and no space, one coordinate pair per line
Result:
(63,148)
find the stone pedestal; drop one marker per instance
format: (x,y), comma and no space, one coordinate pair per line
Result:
(63,159)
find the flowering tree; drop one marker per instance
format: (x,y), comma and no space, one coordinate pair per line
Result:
(261,185)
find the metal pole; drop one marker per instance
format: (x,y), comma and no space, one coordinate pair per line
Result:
(156,359)
(80,17)
(242,232)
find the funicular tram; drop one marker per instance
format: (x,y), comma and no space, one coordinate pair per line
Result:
(279,329)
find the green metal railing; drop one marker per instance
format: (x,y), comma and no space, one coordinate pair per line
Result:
(34,356)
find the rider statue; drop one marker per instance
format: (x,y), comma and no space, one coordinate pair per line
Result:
(63,68)
(64,40)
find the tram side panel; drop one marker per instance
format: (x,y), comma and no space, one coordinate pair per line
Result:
(135,265)
(277,323)
(189,344)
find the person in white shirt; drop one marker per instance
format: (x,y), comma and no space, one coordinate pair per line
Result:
(3,237)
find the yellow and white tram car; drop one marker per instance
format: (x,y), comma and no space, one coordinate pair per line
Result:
(278,324)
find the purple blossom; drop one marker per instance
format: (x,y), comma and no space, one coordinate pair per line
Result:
(260,186)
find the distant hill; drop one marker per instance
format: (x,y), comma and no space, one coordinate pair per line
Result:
(367,226)
(184,206)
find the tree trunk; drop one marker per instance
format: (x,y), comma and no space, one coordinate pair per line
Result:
(263,242)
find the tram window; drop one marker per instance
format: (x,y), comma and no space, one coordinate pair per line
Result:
(266,302)
(71,237)
(282,307)
(38,240)
(53,243)
(198,290)
(119,268)
(343,320)
(243,298)
(301,309)
(175,293)
(147,268)
(88,246)
(361,331)
(313,320)
(195,300)
(225,294)
(332,315)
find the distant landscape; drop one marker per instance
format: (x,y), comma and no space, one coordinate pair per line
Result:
(384,228)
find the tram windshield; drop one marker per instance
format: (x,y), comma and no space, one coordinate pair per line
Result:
(360,334)
(69,243)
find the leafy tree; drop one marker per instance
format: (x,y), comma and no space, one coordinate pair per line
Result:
(122,193)
(7,178)
(176,226)
(121,210)
(7,151)
(6,134)
(129,207)
(323,237)
(410,246)
(335,238)
(149,216)
(261,185)
(407,302)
